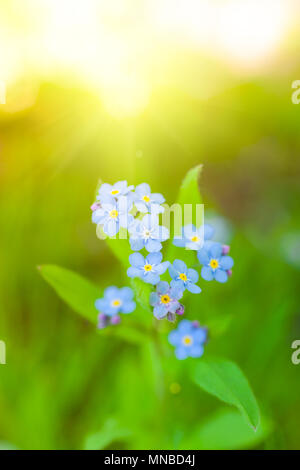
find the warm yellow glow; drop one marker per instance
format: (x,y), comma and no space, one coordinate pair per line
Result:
(119,49)
(248,30)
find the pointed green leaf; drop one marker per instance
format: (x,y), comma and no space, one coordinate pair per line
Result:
(76,291)
(188,194)
(227,382)
(226,430)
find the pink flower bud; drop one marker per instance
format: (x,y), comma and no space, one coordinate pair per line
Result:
(225,249)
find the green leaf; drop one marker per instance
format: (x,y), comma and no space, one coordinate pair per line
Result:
(188,194)
(227,382)
(76,291)
(110,433)
(226,430)
(142,293)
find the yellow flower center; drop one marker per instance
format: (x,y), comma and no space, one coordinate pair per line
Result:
(214,263)
(114,214)
(183,277)
(165,299)
(195,239)
(187,340)
(146,198)
(116,303)
(148,267)
(147,233)
(114,192)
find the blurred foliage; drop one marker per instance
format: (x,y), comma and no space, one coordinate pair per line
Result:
(63,382)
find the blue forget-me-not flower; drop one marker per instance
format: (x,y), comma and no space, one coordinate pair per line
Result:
(183,277)
(147,233)
(215,264)
(116,190)
(193,238)
(188,339)
(148,269)
(113,214)
(145,201)
(116,301)
(165,300)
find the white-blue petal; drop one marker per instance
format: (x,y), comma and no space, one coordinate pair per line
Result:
(226,262)
(206,273)
(137,260)
(203,257)
(221,276)
(193,288)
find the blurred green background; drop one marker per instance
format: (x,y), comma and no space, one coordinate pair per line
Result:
(143,91)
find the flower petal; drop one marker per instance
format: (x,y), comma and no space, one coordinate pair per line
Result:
(151,278)
(192,275)
(221,276)
(111,292)
(193,288)
(216,250)
(196,350)
(137,260)
(134,272)
(174,338)
(154,298)
(180,266)
(128,306)
(207,273)
(154,258)
(203,257)
(160,311)
(173,272)
(162,287)
(158,198)
(226,262)
(153,246)
(136,244)
(126,293)
(161,268)
(181,353)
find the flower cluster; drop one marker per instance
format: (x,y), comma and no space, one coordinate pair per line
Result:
(137,210)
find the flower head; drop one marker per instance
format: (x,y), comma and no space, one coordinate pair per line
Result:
(145,201)
(114,190)
(184,278)
(188,339)
(116,301)
(215,264)
(165,300)
(113,214)
(147,233)
(148,269)
(193,238)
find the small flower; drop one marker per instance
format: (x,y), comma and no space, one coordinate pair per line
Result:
(114,190)
(147,233)
(165,300)
(215,265)
(188,339)
(192,237)
(184,278)
(148,269)
(116,301)
(145,201)
(113,214)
